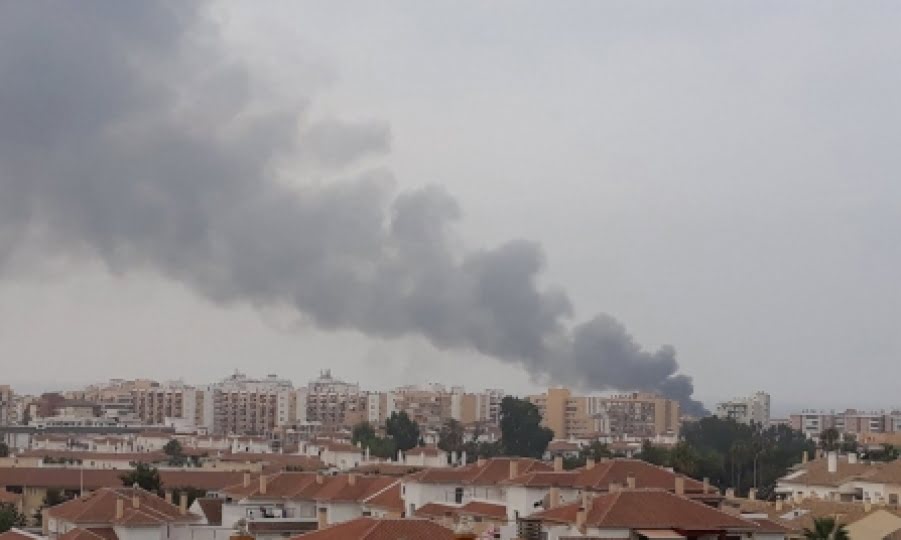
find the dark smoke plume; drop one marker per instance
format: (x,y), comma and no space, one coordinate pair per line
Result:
(127,136)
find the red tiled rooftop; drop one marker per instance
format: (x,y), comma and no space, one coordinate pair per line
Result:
(490,472)
(101,507)
(388,499)
(646,509)
(382,529)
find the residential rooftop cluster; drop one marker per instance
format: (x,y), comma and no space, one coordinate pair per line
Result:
(262,459)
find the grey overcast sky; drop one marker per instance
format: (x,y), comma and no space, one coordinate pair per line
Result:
(720,177)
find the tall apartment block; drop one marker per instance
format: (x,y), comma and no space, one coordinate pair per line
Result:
(635,415)
(754,408)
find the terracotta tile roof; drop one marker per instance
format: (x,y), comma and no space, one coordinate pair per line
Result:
(770,526)
(9,498)
(100,507)
(816,473)
(489,473)
(341,447)
(387,469)
(90,534)
(484,509)
(311,463)
(283,527)
(617,471)
(798,516)
(342,488)
(71,478)
(435,510)
(281,485)
(143,457)
(563,446)
(545,479)
(388,499)
(382,529)
(647,509)
(212,509)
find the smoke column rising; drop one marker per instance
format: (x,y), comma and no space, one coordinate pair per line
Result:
(127,135)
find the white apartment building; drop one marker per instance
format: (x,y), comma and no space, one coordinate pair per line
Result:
(754,408)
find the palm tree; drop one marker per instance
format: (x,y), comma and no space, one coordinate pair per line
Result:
(826,528)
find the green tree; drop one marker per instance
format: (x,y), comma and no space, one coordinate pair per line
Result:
(829,438)
(176,453)
(10,517)
(521,431)
(826,528)
(450,438)
(362,433)
(4,449)
(402,430)
(657,455)
(54,497)
(145,476)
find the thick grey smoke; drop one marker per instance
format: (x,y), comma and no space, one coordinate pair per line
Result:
(126,136)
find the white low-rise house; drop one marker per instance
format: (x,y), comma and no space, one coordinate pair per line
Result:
(426,456)
(51,442)
(293,503)
(152,441)
(250,445)
(342,456)
(459,485)
(844,478)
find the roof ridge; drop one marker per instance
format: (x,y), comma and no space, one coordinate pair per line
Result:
(384,489)
(616,497)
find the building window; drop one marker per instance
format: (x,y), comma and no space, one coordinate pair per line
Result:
(458,495)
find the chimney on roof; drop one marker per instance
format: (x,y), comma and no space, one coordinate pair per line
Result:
(514,468)
(246,479)
(135,500)
(832,462)
(582,513)
(351,479)
(730,493)
(480,462)
(183,503)
(319,479)
(614,487)
(804,457)
(120,508)
(262,484)
(852,458)
(463,458)
(778,504)
(630,481)
(706,484)
(680,485)
(169,496)
(752,494)
(558,463)
(589,463)
(553,497)
(867,505)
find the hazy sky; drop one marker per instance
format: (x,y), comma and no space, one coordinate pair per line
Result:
(720,177)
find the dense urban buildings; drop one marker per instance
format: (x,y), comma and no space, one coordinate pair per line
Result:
(635,415)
